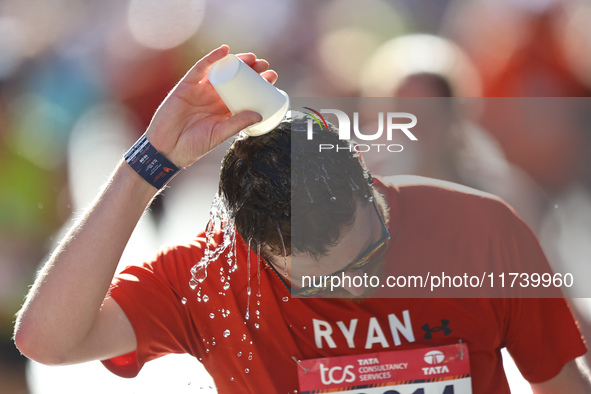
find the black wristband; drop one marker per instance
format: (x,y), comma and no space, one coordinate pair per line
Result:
(150,164)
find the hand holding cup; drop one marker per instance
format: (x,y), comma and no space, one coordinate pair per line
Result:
(193,119)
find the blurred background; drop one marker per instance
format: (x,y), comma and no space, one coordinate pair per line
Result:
(80,80)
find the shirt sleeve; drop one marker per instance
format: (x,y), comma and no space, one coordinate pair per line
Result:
(543,337)
(152,297)
(542,334)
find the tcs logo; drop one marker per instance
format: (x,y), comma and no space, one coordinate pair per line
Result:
(336,375)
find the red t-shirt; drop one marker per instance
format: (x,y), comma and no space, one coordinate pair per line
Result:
(429,221)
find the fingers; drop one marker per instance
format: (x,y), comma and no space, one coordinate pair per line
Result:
(261,66)
(201,68)
(258,65)
(270,76)
(248,58)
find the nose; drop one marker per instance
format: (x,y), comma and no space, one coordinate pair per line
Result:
(353,277)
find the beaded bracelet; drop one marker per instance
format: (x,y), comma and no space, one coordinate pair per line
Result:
(150,164)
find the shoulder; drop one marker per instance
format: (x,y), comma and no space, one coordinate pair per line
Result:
(445,212)
(172,262)
(431,187)
(180,252)
(427,196)
(206,262)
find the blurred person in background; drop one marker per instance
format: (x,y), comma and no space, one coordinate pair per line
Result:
(461,150)
(538,54)
(68,319)
(430,74)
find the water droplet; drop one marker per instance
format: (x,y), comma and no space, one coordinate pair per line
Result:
(226,285)
(325,172)
(218,214)
(259,269)
(256,325)
(246,370)
(248,289)
(239,354)
(226,333)
(283,246)
(205,298)
(258,313)
(231,379)
(184,300)
(250,356)
(332,198)
(285,299)
(198,273)
(211,315)
(309,195)
(244,337)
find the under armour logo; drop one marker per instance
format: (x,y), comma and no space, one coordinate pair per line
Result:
(443,327)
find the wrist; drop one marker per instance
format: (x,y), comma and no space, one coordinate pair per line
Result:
(150,164)
(133,185)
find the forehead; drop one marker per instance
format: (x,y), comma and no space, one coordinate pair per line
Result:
(354,240)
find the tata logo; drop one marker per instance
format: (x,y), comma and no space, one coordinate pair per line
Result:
(336,375)
(433,358)
(390,123)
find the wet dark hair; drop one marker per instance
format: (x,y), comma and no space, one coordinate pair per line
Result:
(282,192)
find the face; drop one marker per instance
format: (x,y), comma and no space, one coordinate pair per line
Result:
(359,252)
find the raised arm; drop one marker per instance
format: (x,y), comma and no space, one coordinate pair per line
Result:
(66,317)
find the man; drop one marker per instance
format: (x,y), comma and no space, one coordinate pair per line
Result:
(231,307)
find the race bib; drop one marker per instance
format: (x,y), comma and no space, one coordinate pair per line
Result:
(436,370)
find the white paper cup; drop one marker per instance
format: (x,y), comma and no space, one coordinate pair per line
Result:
(241,88)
